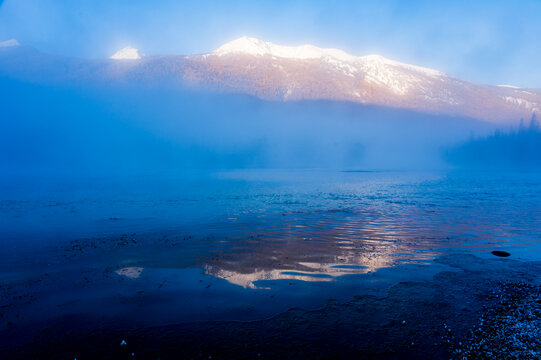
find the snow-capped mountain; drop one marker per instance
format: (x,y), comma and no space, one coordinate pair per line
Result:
(287,73)
(397,77)
(127,53)
(291,73)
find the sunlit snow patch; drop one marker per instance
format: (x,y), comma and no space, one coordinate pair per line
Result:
(508,86)
(127,53)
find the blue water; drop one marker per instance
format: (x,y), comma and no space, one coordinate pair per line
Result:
(476,208)
(249,244)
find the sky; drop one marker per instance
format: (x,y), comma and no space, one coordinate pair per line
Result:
(493,42)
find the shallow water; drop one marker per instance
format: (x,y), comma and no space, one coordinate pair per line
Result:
(247,244)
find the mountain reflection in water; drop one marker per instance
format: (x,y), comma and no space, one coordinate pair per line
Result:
(247,245)
(326,246)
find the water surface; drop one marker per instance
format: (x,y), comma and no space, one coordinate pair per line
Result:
(244,245)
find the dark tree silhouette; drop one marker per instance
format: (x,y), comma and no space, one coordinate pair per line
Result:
(513,149)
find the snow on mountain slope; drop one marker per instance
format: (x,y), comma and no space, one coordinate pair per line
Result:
(278,72)
(256,47)
(508,86)
(291,73)
(127,53)
(253,46)
(377,68)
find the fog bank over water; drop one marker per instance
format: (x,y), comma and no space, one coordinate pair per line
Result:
(117,130)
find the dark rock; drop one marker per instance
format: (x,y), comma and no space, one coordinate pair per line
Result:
(501,253)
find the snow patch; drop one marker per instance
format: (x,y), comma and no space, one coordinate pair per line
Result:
(127,53)
(398,77)
(378,59)
(509,86)
(522,103)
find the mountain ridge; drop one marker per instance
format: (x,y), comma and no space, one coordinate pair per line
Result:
(292,73)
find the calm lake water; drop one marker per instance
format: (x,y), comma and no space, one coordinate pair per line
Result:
(248,244)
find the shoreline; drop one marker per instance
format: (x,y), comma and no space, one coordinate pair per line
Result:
(414,320)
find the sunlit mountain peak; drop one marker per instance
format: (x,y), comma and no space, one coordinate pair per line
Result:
(253,46)
(127,53)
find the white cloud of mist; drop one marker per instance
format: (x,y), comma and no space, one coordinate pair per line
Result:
(131,129)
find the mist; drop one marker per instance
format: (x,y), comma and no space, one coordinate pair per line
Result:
(119,129)
(270,179)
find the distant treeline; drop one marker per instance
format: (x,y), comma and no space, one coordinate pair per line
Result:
(511,149)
